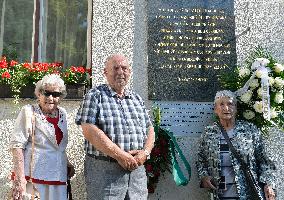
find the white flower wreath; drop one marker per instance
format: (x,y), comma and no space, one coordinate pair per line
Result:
(259,90)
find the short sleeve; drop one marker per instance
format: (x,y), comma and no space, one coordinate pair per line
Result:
(88,109)
(22,128)
(147,118)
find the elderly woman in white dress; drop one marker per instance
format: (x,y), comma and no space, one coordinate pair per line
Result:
(38,144)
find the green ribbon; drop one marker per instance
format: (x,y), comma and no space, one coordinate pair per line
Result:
(179,177)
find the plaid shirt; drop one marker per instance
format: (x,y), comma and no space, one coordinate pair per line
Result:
(124,121)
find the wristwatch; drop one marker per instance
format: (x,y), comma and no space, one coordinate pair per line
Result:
(147,153)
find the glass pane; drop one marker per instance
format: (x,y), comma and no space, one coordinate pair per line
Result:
(17,27)
(67,32)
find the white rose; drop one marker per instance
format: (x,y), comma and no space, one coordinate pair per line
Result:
(271,81)
(259,62)
(259,92)
(243,72)
(255,65)
(263,61)
(273,113)
(261,73)
(246,96)
(278,97)
(253,83)
(278,68)
(278,82)
(248,114)
(258,106)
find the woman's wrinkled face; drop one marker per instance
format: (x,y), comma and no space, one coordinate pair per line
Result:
(49,99)
(225,108)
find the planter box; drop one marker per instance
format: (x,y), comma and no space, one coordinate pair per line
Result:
(28,92)
(5,91)
(75,91)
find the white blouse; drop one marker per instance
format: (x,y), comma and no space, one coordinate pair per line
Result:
(50,160)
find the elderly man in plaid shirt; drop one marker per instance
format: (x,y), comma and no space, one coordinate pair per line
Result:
(119,136)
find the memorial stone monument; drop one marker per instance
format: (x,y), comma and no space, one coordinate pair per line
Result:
(190,43)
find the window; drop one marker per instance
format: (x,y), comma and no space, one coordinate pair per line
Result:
(66,32)
(16,29)
(60,31)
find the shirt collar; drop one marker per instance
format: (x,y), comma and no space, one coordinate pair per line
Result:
(127,92)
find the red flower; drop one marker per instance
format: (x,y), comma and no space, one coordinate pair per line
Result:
(13,63)
(156,151)
(149,168)
(157,173)
(89,71)
(56,64)
(77,69)
(6,75)
(73,69)
(163,142)
(151,189)
(39,67)
(56,72)
(3,63)
(27,65)
(164,151)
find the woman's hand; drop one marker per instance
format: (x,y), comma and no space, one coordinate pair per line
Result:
(269,193)
(206,182)
(19,188)
(19,183)
(70,170)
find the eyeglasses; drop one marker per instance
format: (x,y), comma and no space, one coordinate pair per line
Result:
(54,94)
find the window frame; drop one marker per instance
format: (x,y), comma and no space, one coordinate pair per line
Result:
(39,39)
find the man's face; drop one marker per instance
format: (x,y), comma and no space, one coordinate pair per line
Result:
(225,108)
(117,72)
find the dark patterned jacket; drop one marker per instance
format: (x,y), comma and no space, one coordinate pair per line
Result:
(248,141)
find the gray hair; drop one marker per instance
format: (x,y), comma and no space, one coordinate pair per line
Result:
(225,93)
(50,80)
(109,58)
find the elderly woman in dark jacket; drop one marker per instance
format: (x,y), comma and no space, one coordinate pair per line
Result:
(218,169)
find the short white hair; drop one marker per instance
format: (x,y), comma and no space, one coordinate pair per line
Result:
(225,93)
(51,80)
(111,57)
